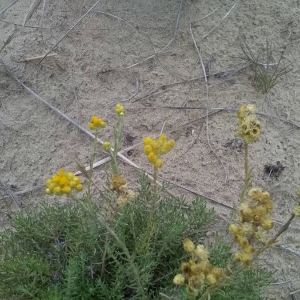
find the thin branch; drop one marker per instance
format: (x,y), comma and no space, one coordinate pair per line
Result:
(34,5)
(11,194)
(177,23)
(36,57)
(207,105)
(68,32)
(9,6)
(137,89)
(113,16)
(227,14)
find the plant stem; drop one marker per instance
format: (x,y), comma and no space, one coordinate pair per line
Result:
(90,172)
(129,257)
(153,204)
(118,130)
(155,175)
(114,163)
(135,270)
(246,163)
(283,228)
(247,174)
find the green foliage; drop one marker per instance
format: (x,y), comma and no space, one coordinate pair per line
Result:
(80,251)
(77,251)
(265,76)
(246,284)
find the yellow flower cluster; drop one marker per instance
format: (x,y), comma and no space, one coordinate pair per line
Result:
(198,269)
(254,221)
(120,110)
(249,125)
(154,148)
(62,183)
(96,123)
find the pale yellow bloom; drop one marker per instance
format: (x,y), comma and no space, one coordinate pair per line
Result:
(201,253)
(188,245)
(179,279)
(296,211)
(120,110)
(106,146)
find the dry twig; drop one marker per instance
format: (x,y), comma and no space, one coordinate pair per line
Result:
(68,32)
(207,105)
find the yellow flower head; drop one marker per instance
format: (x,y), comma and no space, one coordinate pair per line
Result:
(120,110)
(249,125)
(116,182)
(211,279)
(267,223)
(235,230)
(106,146)
(147,140)
(255,194)
(125,195)
(96,123)
(188,245)
(243,257)
(63,183)
(201,253)
(159,163)
(179,279)
(296,211)
(195,282)
(152,157)
(147,149)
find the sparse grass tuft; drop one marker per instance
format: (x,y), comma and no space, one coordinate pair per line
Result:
(265,73)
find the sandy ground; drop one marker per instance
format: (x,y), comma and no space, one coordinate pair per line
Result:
(143,55)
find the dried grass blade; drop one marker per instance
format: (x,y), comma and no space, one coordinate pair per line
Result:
(32,9)
(3,10)
(81,167)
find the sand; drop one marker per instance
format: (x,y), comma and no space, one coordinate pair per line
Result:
(142,54)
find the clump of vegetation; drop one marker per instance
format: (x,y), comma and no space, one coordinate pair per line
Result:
(131,244)
(265,73)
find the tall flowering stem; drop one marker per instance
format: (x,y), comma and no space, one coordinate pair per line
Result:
(118,132)
(249,131)
(154,149)
(95,124)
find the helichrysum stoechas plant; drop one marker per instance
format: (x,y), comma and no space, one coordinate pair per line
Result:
(79,251)
(254,219)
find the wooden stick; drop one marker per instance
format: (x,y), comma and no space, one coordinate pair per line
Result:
(36,57)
